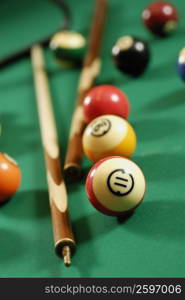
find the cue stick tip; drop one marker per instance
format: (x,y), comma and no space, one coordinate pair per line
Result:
(66,253)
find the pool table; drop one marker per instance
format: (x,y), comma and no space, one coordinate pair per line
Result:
(151,242)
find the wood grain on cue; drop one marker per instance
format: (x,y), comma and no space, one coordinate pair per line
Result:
(63,236)
(90,70)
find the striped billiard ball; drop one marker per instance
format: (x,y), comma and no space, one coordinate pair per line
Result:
(68,46)
(115,186)
(108,135)
(131,55)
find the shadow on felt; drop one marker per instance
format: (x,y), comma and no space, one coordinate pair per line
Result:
(31,205)
(87,229)
(162,167)
(166,102)
(12,246)
(31,208)
(24,80)
(18,138)
(150,129)
(161,220)
(161,71)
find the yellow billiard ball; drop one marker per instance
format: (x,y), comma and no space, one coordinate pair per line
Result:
(115,186)
(108,135)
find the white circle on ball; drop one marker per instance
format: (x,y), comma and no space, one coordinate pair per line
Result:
(146,14)
(120,183)
(99,136)
(167,9)
(139,46)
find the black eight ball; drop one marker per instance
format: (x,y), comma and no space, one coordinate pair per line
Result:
(131,55)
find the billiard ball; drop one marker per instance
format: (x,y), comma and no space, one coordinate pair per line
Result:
(105,99)
(68,46)
(10,177)
(181,64)
(160,18)
(131,55)
(108,135)
(115,186)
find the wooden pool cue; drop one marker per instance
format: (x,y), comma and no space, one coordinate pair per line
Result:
(90,70)
(63,235)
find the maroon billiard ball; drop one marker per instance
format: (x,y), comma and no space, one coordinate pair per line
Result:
(103,100)
(160,18)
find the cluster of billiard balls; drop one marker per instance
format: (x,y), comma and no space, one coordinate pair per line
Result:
(131,55)
(115,185)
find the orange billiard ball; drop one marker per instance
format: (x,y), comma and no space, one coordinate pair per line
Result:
(108,135)
(10,177)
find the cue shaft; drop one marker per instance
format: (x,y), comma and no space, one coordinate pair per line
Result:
(63,235)
(90,70)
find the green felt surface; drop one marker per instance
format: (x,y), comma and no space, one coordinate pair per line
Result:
(149,244)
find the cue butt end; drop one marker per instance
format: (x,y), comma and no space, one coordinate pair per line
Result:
(72,172)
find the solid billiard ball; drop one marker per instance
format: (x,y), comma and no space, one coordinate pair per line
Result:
(181,64)
(68,46)
(108,135)
(131,55)
(10,177)
(105,99)
(115,186)
(160,18)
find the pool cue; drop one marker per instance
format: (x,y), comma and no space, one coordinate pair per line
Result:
(90,70)
(63,235)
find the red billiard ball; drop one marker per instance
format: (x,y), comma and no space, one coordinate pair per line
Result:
(115,186)
(160,18)
(105,99)
(10,177)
